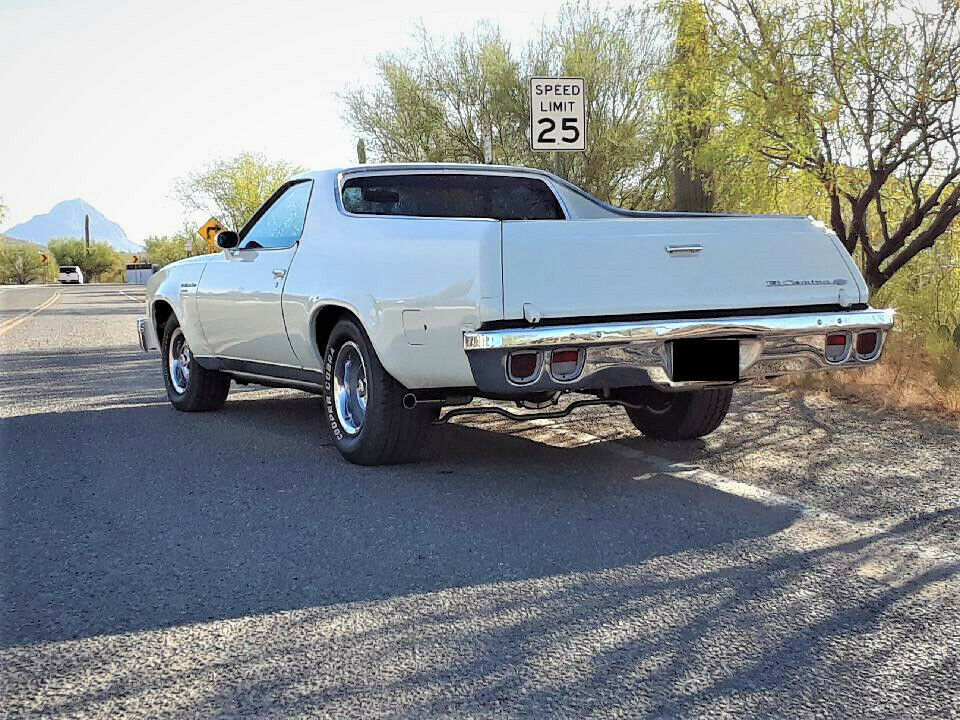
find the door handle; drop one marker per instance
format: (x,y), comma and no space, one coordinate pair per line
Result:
(279,273)
(683,249)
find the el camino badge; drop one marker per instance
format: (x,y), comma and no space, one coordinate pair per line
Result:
(792,283)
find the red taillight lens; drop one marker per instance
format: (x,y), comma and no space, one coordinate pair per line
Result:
(565,364)
(867,343)
(836,349)
(565,356)
(522,365)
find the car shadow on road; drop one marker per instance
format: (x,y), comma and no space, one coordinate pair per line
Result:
(123,519)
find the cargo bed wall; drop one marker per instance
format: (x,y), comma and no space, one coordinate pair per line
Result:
(578,268)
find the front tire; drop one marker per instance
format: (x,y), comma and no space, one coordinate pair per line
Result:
(680,415)
(190,387)
(363,404)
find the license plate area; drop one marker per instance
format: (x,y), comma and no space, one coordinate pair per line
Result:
(705,360)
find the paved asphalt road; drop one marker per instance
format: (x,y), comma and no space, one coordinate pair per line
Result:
(165,565)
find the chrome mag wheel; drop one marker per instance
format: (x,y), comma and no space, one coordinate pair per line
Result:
(178,361)
(350,388)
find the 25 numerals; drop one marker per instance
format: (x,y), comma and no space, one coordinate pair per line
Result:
(567,125)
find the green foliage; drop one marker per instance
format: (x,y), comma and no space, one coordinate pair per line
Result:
(692,88)
(97,262)
(944,354)
(164,249)
(437,101)
(21,264)
(233,189)
(857,95)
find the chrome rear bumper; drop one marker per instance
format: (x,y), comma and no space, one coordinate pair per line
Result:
(638,353)
(146,335)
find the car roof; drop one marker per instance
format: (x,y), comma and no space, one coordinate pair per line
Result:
(425,166)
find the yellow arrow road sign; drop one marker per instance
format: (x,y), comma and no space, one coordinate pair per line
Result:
(209,231)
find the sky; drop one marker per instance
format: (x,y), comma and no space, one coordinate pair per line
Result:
(112,100)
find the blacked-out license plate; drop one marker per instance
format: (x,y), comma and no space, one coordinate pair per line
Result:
(706,360)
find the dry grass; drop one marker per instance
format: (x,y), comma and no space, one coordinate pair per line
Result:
(904,380)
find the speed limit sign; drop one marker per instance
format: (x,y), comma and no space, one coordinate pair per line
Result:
(558,117)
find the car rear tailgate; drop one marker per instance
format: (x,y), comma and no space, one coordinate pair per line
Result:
(589,268)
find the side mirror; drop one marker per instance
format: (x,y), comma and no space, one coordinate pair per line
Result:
(227,239)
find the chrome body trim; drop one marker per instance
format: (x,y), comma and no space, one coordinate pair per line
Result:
(275,381)
(683,249)
(640,353)
(662,330)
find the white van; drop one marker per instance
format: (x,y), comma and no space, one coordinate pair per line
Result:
(71,274)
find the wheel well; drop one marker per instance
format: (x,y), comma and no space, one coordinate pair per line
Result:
(162,312)
(325,319)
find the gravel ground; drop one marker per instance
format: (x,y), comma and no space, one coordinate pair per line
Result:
(865,463)
(800,562)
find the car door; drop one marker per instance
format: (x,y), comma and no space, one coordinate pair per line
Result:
(238,298)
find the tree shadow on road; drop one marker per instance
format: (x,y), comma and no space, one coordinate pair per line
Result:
(505,557)
(131,518)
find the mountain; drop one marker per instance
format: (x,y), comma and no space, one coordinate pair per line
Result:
(66,220)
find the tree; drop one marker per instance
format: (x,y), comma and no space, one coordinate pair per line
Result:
(3,210)
(95,261)
(20,264)
(690,82)
(164,249)
(862,96)
(233,189)
(437,101)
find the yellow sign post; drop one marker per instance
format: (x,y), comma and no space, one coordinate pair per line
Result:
(209,232)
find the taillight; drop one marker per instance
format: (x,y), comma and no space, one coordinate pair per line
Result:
(867,343)
(522,366)
(837,346)
(566,364)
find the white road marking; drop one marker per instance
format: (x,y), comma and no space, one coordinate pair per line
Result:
(131,297)
(10,324)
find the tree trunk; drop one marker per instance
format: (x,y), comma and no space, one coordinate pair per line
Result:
(690,193)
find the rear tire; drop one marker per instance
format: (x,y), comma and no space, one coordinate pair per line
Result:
(190,387)
(681,415)
(363,404)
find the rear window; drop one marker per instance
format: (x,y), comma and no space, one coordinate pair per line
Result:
(68,268)
(497,197)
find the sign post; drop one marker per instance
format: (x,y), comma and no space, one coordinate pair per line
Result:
(558,116)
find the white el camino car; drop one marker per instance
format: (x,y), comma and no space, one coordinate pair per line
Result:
(396,290)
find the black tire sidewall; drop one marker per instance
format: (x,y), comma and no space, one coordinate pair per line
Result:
(179,400)
(343,332)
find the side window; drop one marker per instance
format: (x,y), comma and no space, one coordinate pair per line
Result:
(281,225)
(498,197)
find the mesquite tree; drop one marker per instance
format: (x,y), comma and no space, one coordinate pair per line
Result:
(233,189)
(440,99)
(862,95)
